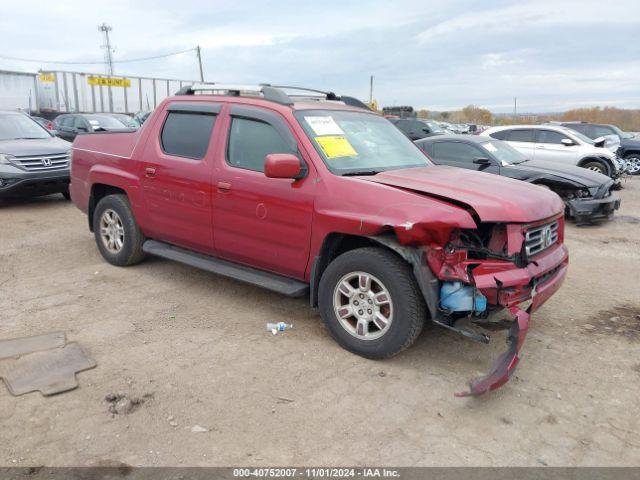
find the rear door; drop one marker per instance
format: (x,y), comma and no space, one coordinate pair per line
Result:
(523,140)
(549,146)
(176,175)
(259,221)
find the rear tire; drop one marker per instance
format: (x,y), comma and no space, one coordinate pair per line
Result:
(66,195)
(117,234)
(361,321)
(596,166)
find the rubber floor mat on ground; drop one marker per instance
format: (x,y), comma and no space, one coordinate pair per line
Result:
(49,366)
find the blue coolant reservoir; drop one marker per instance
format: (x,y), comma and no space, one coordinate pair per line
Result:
(459,297)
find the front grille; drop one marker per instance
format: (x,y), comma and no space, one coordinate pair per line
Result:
(38,163)
(540,238)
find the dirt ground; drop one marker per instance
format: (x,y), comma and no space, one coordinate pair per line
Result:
(193,346)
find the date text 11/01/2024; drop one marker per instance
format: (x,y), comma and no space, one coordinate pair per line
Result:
(316,472)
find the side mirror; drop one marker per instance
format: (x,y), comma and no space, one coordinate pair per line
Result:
(81,129)
(426,130)
(284,165)
(482,161)
(567,142)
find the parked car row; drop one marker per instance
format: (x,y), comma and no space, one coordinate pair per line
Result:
(34,151)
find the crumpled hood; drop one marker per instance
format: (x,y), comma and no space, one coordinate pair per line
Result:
(582,176)
(45,146)
(493,198)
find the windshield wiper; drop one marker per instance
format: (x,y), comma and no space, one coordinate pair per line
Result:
(362,172)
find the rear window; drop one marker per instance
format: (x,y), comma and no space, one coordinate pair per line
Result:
(187,134)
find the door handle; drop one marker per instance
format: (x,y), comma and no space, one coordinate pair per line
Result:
(540,146)
(150,172)
(224,187)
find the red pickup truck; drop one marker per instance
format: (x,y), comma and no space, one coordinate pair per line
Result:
(308,194)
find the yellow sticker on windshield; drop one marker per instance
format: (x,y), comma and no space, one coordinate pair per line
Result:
(336,146)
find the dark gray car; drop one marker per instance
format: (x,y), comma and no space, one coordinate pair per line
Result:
(586,194)
(32,160)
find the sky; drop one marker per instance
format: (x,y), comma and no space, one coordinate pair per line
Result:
(553,55)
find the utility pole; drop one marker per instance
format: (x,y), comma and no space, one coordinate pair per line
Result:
(515,107)
(108,58)
(371,90)
(200,63)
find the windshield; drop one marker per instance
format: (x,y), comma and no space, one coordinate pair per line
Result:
(19,127)
(435,128)
(505,153)
(579,136)
(358,142)
(127,121)
(102,121)
(620,133)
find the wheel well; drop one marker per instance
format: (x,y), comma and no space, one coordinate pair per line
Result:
(334,245)
(98,192)
(596,159)
(631,153)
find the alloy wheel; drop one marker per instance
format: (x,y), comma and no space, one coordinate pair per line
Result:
(363,305)
(111,231)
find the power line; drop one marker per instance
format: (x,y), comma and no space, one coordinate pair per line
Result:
(131,60)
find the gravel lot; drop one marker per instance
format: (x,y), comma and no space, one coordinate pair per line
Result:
(194,347)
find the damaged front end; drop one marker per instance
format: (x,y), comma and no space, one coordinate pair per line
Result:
(479,275)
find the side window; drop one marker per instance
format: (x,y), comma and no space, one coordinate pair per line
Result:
(418,127)
(549,136)
(79,122)
(520,135)
(187,134)
(403,125)
(252,140)
(67,121)
(601,131)
(456,152)
(501,135)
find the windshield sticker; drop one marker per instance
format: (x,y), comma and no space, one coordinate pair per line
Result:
(490,147)
(324,125)
(335,146)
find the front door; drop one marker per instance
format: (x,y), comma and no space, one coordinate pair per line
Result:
(259,221)
(549,147)
(176,176)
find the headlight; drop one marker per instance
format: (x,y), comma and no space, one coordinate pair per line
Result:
(70,156)
(5,159)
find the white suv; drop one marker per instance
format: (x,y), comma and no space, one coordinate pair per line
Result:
(558,144)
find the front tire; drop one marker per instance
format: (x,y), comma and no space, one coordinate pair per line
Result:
(596,166)
(117,234)
(370,302)
(633,164)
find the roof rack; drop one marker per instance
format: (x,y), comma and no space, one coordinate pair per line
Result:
(273,93)
(268,92)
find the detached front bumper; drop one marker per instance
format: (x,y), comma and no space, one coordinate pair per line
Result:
(522,292)
(585,210)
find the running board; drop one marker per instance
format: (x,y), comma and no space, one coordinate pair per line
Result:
(271,281)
